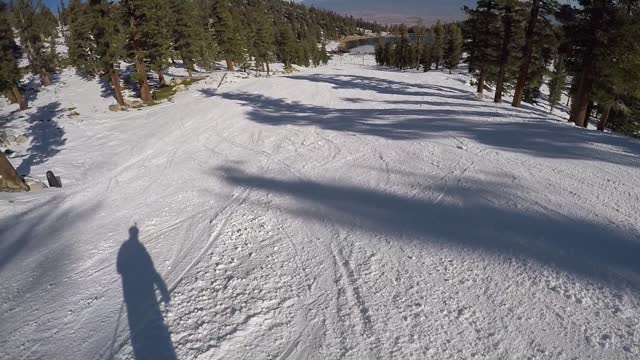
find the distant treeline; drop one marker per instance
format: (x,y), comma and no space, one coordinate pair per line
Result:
(153,34)
(588,50)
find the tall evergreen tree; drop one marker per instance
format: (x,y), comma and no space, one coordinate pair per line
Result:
(482,32)
(426,58)
(420,31)
(527,51)
(134,15)
(557,83)
(184,32)
(286,46)
(453,49)
(379,52)
(205,45)
(9,72)
(80,41)
(158,26)
(263,37)
(389,54)
(324,57)
(537,36)
(109,37)
(616,84)
(37,29)
(509,11)
(437,49)
(228,33)
(403,49)
(588,29)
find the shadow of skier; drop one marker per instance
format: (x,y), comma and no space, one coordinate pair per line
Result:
(150,337)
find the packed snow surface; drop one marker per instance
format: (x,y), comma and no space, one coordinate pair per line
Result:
(341,212)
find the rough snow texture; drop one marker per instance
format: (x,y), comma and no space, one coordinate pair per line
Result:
(343,212)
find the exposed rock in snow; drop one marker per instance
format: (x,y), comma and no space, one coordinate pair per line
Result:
(21,139)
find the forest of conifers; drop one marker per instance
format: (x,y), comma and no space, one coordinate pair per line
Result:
(152,34)
(588,50)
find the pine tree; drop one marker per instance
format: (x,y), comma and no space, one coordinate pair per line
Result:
(589,29)
(205,46)
(80,40)
(109,40)
(420,35)
(482,31)
(157,35)
(324,57)
(617,84)
(389,54)
(453,52)
(527,51)
(263,40)
(437,50)
(9,72)
(184,33)
(37,29)
(510,18)
(557,83)
(95,41)
(426,58)
(134,15)
(379,52)
(286,46)
(228,33)
(403,49)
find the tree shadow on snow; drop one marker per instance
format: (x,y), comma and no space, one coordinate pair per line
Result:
(470,220)
(386,86)
(150,337)
(47,137)
(32,241)
(527,133)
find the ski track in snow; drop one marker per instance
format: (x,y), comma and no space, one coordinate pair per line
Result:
(342,212)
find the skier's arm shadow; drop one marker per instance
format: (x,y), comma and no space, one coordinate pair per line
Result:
(162,287)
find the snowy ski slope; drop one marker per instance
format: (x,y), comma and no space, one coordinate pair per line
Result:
(342,212)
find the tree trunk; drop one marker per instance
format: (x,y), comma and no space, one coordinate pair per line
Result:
(161,79)
(19,98)
(526,55)
(605,118)
(587,115)
(9,179)
(267,63)
(45,79)
(145,91)
(190,71)
(230,65)
(115,83)
(9,94)
(483,74)
(504,55)
(583,95)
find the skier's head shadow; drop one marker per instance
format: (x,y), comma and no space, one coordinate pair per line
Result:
(150,337)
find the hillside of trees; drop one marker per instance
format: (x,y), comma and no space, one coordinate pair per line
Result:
(154,34)
(588,51)
(420,47)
